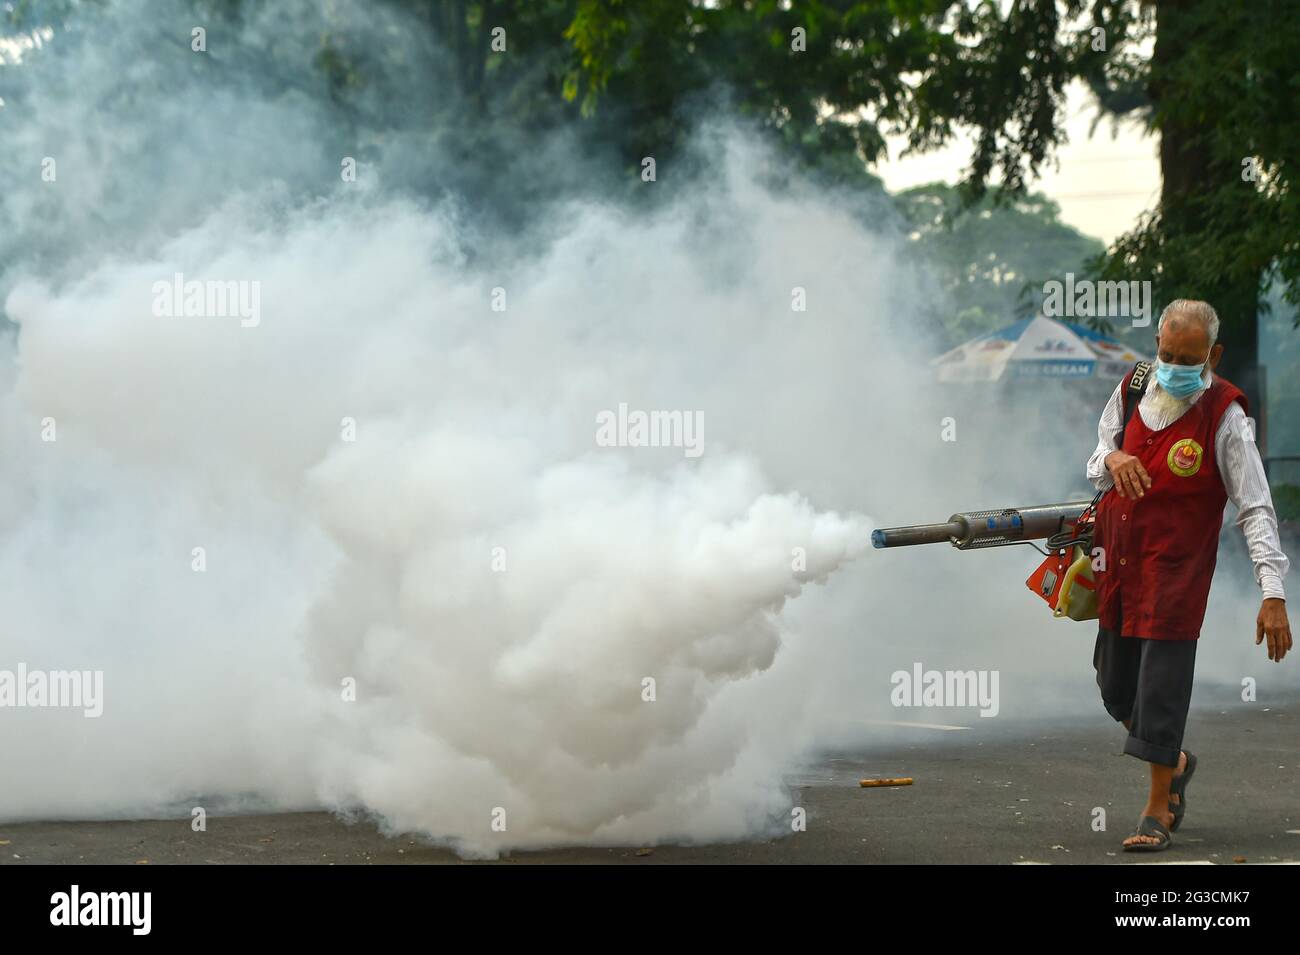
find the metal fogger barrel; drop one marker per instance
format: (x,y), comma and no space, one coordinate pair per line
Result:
(972,529)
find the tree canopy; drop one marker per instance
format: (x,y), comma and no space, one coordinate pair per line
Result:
(1217,80)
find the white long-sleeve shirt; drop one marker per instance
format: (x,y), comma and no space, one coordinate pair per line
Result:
(1240,468)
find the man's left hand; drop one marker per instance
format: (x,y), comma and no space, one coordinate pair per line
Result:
(1272,623)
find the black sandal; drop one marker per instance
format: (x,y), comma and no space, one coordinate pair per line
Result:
(1178,787)
(1150,826)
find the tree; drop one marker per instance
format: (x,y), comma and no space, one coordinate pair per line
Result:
(1220,90)
(991,256)
(1218,87)
(1215,79)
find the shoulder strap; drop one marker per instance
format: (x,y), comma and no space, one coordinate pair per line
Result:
(1137,387)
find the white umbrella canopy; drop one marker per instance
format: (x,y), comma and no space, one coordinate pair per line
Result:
(1038,347)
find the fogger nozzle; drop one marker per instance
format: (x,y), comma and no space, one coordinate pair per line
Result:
(971,529)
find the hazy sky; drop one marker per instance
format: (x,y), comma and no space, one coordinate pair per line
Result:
(1103,183)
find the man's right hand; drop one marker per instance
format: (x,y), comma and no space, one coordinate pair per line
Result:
(1131,478)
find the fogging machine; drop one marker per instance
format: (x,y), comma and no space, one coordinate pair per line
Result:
(1064,579)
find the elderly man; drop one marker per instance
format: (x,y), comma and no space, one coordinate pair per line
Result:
(1173,465)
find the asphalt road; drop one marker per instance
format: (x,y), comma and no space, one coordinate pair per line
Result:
(981,795)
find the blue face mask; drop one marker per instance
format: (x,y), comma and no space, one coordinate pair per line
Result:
(1180,380)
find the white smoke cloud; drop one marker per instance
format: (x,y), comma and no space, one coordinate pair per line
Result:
(517,683)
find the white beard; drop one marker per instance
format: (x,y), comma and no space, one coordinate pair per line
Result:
(1166,406)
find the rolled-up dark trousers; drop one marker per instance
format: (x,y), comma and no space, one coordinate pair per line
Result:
(1150,683)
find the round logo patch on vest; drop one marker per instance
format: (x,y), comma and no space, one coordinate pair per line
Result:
(1185,457)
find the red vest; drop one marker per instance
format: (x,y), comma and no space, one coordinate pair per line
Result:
(1160,550)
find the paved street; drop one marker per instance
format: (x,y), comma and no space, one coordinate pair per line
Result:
(1003,794)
